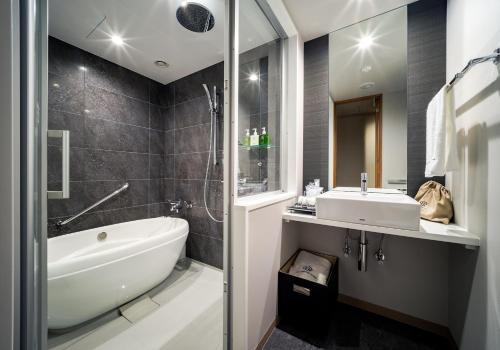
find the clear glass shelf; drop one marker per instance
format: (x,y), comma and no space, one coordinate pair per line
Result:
(256,147)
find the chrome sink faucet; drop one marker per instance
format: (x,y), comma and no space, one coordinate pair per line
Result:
(364,183)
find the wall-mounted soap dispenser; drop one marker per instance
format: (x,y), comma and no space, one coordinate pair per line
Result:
(246,139)
(264,138)
(254,139)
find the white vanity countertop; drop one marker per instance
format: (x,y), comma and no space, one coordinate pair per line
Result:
(428,230)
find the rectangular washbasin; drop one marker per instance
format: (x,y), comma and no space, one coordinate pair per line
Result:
(394,210)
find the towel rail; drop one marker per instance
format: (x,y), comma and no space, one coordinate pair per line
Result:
(495,57)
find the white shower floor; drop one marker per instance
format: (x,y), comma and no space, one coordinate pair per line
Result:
(184,312)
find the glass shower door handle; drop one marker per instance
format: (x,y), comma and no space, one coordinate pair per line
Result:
(64,136)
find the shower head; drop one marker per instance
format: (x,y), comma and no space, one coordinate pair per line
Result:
(195,17)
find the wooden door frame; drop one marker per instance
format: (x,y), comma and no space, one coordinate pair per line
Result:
(378,136)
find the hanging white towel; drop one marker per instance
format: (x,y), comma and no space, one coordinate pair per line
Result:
(441,144)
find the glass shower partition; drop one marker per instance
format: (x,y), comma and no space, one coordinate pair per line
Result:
(259,80)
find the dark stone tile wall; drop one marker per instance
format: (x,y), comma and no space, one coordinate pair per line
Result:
(127,128)
(190,152)
(316,111)
(426,76)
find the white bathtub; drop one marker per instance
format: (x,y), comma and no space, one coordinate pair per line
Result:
(88,277)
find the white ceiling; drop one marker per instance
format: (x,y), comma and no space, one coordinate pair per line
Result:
(151,32)
(386,57)
(315,18)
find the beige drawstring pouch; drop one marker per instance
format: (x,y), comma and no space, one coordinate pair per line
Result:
(435,202)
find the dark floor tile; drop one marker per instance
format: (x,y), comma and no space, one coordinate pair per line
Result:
(281,340)
(103,104)
(205,249)
(352,328)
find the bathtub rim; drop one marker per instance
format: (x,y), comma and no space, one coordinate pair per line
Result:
(66,267)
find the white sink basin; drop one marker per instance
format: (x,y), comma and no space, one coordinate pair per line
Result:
(394,210)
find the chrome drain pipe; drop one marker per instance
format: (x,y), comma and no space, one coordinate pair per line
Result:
(363,247)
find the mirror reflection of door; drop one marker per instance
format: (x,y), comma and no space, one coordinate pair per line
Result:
(357,141)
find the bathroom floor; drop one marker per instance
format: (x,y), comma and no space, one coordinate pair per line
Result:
(352,328)
(184,312)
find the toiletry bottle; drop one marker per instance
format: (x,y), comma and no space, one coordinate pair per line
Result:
(264,138)
(246,139)
(254,139)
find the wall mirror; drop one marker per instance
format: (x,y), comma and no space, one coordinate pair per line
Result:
(368,102)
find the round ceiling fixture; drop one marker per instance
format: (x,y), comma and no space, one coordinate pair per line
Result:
(195,17)
(161,64)
(367,85)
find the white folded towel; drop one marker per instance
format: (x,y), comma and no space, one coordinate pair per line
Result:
(311,267)
(441,144)
(307,201)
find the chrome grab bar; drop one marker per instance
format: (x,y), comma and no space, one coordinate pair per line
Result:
(60,223)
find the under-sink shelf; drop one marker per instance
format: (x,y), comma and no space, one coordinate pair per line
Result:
(428,230)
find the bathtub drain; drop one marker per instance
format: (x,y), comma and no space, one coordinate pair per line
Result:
(102,236)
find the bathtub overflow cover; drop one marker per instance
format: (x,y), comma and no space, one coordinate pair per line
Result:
(102,236)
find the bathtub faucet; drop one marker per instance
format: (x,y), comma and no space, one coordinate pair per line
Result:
(176,206)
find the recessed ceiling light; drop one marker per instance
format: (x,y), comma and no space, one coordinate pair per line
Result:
(367,85)
(161,64)
(117,40)
(366,69)
(56,85)
(365,42)
(253,77)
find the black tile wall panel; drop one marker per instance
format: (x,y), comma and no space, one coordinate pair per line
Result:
(316,101)
(426,75)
